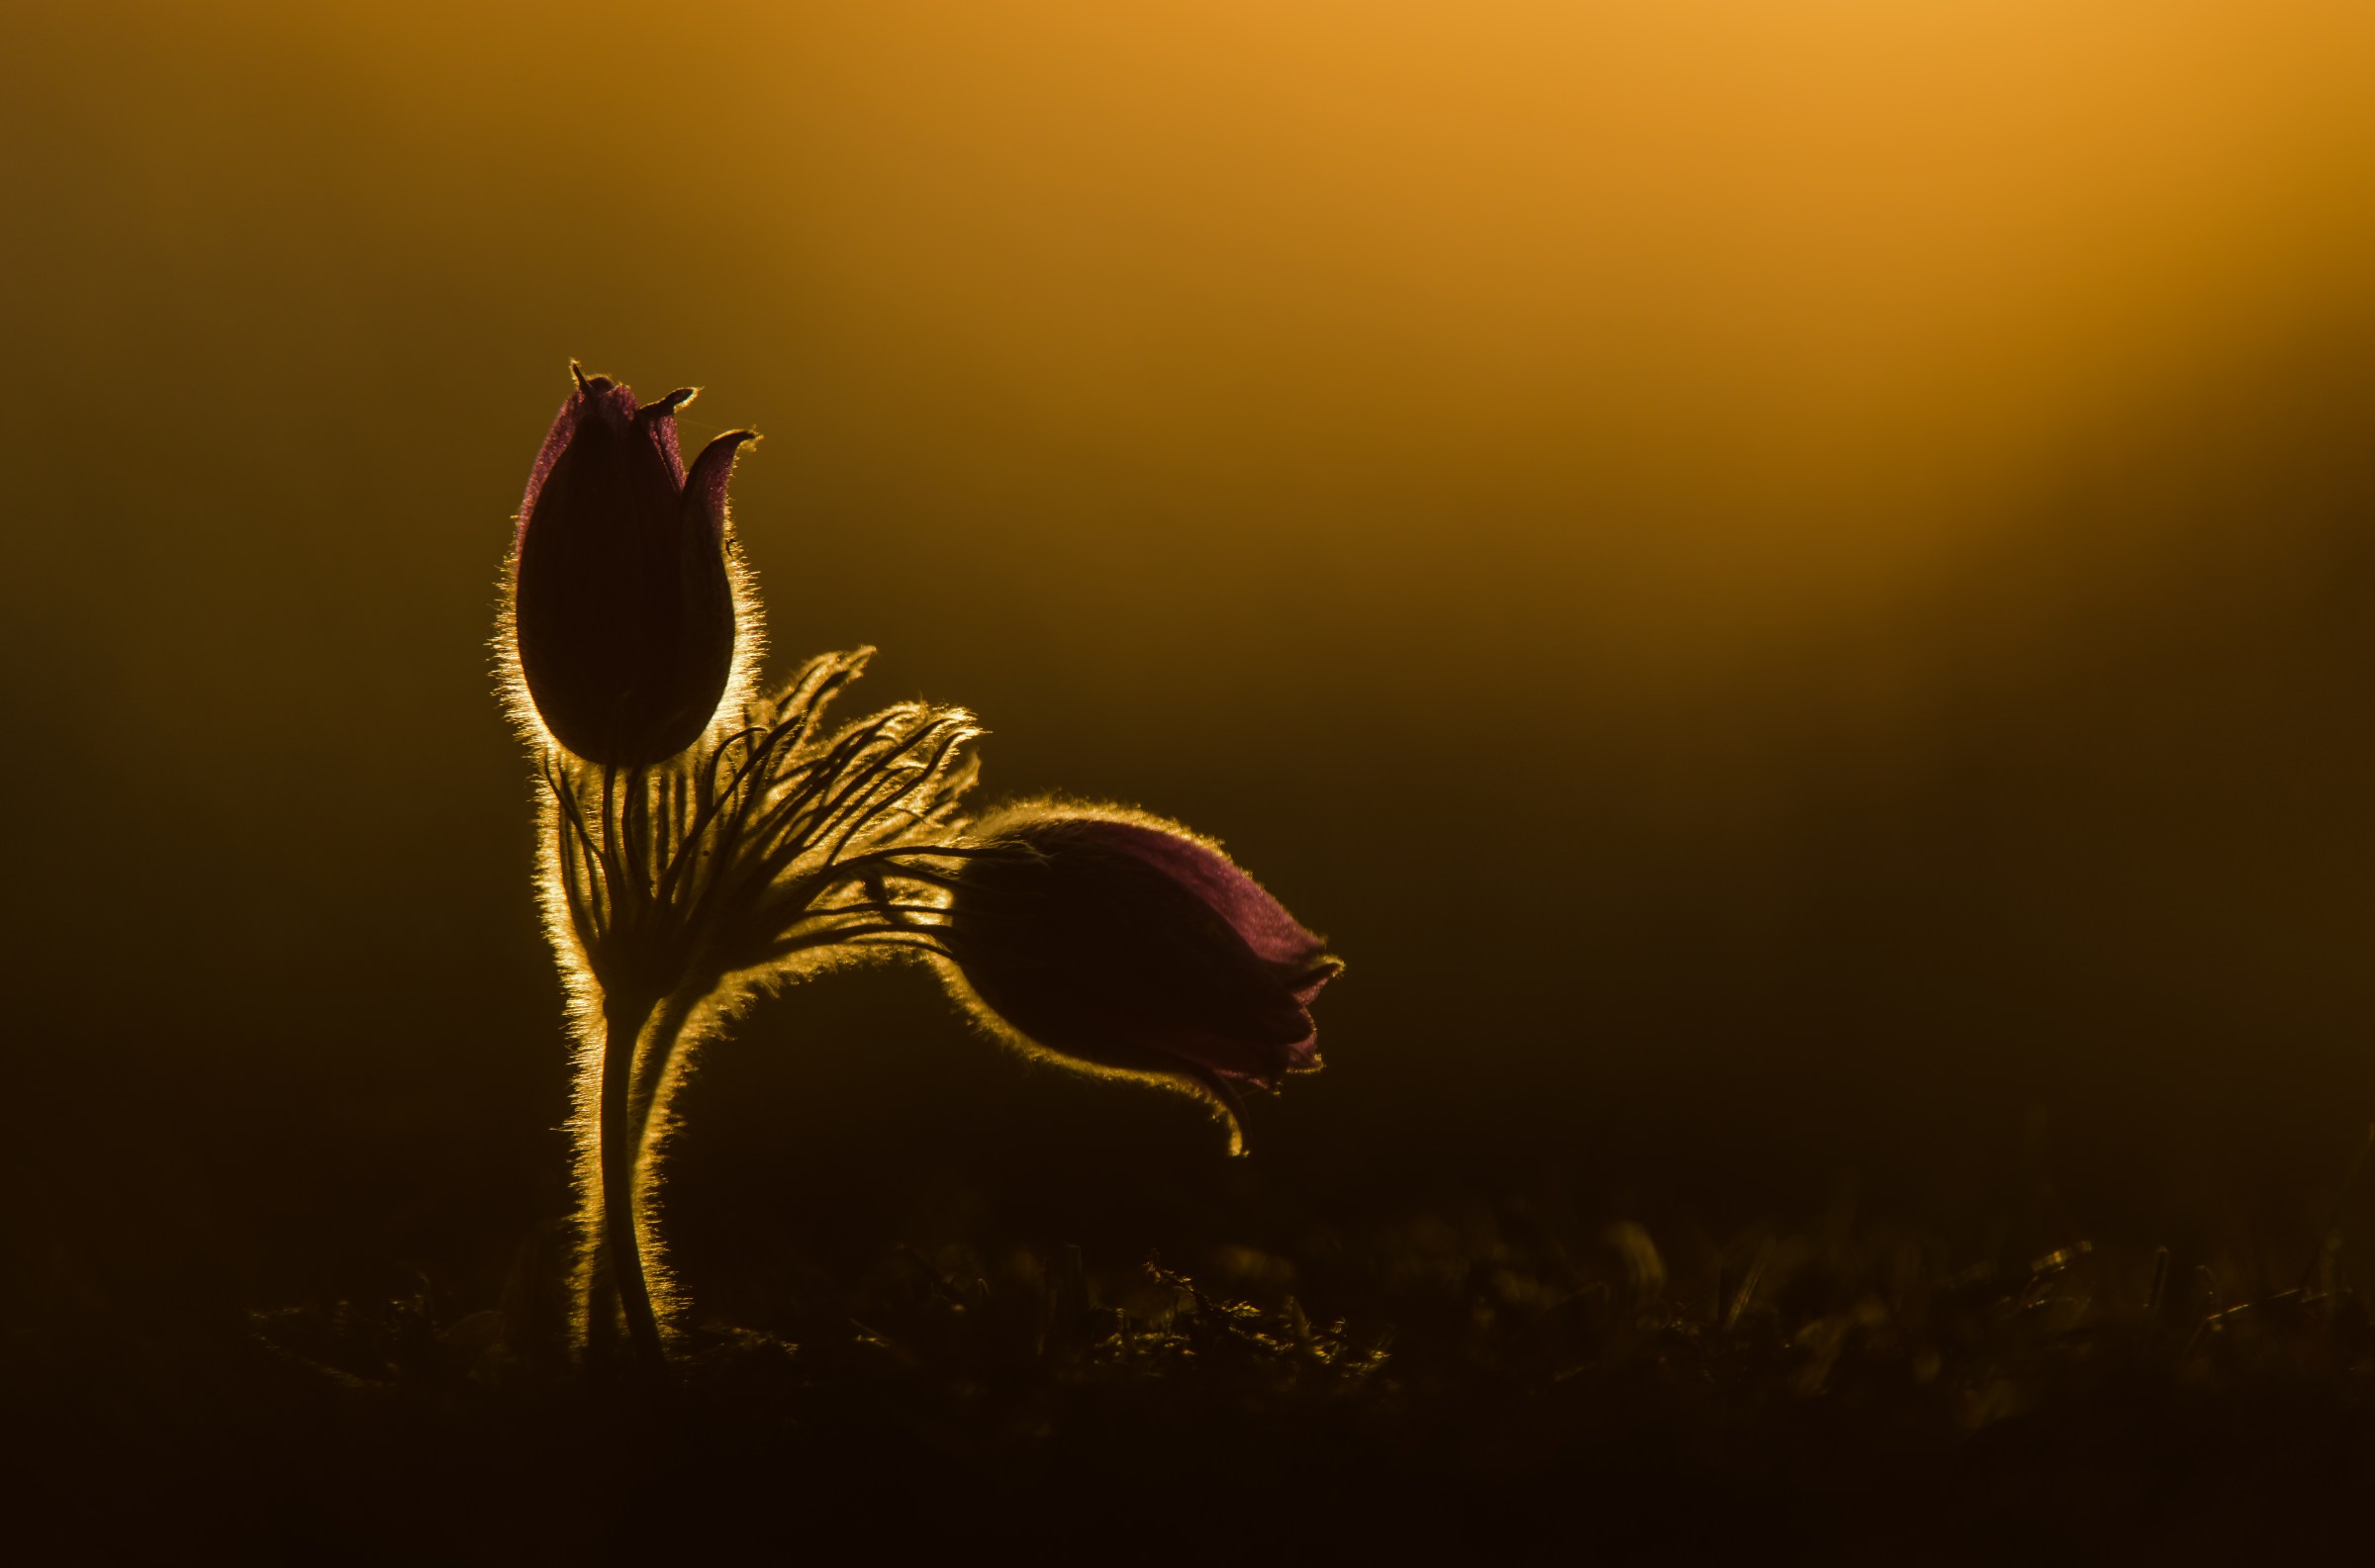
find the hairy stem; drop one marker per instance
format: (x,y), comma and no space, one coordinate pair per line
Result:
(622,1018)
(656,1076)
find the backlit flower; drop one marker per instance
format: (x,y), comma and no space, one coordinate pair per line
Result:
(623,608)
(1126,945)
(703,840)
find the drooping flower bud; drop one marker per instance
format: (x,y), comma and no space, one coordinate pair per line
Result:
(1124,944)
(624,602)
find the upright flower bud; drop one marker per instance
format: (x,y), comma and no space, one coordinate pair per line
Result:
(1124,944)
(623,604)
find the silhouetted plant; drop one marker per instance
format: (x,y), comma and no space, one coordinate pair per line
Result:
(701,842)
(1126,946)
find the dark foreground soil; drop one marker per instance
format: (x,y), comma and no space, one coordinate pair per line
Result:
(1434,1389)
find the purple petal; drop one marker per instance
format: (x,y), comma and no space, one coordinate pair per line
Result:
(1275,935)
(589,391)
(1125,942)
(657,421)
(623,610)
(601,396)
(703,509)
(1240,1057)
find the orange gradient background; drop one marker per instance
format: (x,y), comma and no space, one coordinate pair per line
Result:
(1788,580)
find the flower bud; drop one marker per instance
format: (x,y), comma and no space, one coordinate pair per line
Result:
(622,600)
(1124,944)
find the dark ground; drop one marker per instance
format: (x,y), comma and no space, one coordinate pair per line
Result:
(1506,1378)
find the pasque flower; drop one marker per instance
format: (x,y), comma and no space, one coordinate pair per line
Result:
(623,607)
(1126,945)
(704,841)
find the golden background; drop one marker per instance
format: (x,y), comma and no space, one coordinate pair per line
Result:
(1790,583)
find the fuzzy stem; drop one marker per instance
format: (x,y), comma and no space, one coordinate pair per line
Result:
(622,1018)
(654,1080)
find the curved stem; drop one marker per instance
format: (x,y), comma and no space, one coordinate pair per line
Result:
(648,1100)
(622,1020)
